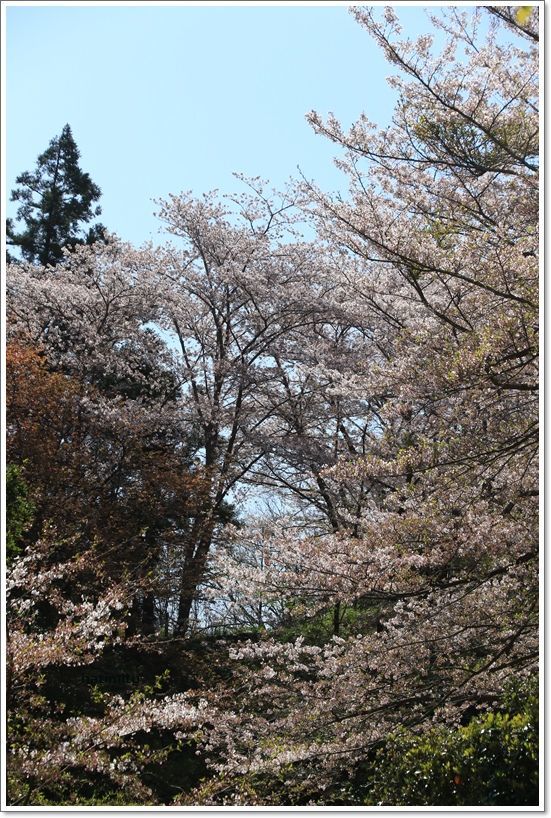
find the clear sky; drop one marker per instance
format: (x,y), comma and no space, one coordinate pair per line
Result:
(162,99)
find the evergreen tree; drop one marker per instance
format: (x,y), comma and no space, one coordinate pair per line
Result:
(57,199)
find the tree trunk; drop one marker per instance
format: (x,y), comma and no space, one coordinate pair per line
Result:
(148,614)
(192,575)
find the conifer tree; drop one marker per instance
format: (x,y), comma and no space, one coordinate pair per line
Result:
(57,200)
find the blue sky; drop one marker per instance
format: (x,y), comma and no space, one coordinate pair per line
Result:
(163,99)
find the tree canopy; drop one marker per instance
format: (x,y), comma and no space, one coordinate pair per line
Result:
(275,538)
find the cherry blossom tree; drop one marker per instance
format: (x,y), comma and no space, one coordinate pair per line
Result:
(181,344)
(438,242)
(235,298)
(380,381)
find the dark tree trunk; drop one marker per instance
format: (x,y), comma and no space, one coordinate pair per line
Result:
(192,575)
(148,614)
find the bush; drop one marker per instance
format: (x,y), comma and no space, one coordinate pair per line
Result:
(492,761)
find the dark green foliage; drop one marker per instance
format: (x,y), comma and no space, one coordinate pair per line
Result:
(318,628)
(57,199)
(19,510)
(492,761)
